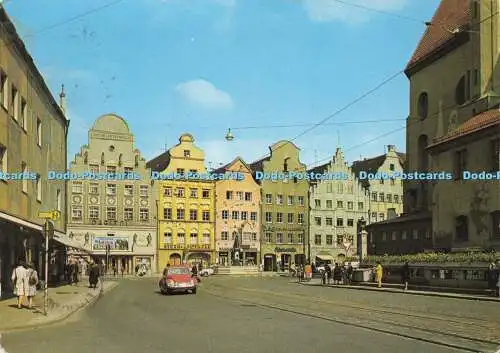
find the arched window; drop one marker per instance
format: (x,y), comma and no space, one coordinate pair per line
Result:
(423,105)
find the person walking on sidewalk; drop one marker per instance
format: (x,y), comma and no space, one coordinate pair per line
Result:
(31,283)
(405,274)
(19,280)
(350,271)
(94,275)
(493,272)
(379,271)
(328,270)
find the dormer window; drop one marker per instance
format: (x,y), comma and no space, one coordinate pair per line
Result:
(187,153)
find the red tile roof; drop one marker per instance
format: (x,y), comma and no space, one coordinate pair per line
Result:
(450,15)
(479,122)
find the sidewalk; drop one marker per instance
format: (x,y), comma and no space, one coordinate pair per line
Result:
(63,301)
(415,290)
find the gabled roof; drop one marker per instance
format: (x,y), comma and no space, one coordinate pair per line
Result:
(225,167)
(477,123)
(449,16)
(320,168)
(160,163)
(258,166)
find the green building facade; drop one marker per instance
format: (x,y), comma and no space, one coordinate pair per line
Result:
(284,207)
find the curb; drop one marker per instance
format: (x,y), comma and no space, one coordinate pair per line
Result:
(78,308)
(411,292)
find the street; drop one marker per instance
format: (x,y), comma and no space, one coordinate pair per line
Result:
(237,314)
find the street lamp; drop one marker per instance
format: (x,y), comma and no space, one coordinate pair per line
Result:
(229,135)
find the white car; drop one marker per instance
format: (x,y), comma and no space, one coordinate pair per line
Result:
(206,272)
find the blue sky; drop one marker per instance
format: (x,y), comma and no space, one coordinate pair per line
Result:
(202,66)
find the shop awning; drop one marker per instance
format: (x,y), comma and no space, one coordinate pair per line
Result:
(70,244)
(325,257)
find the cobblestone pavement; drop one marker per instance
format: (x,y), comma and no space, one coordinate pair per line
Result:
(268,315)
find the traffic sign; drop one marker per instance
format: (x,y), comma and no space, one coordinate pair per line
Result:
(52,215)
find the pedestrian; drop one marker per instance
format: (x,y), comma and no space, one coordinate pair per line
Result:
(350,271)
(405,274)
(31,283)
(337,274)
(115,270)
(76,272)
(378,274)
(328,270)
(19,280)
(94,275)
(493,273)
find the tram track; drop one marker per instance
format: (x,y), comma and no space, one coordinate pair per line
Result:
(458,334)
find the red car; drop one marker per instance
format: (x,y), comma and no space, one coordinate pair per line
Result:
(178,279)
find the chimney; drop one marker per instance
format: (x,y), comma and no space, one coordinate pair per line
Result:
(391,148)
(62,100)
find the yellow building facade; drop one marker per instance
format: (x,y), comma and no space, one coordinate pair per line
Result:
(186,205)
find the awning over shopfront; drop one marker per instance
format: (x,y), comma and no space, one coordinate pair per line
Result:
(26,223)
(70,244)
(325,257)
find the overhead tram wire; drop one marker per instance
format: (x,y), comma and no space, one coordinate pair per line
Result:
(69,20)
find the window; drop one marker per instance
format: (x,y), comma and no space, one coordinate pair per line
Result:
(128,214)
(460,163)
(350,189)
(495,218)
(24,115)
(350,222)
(187,154)
(253,216)
(317,221)
(317,239)
(403,235)
(340,188)
(300,219)
(381,216)
(290,238)
(329,221)
(144,214)
(167,213)
(244,215)
(193,193)
(391,167)
(340,222)
(317,203)
(374,196)
(111,213)
(167,238)
(179,192)
(194,238)
(180,214)
(340,204)
(248,196)
(329,204)
(3,159)
(128,170)
(461,229)
(39,132)
(301,200)
(279,199)
(181,238)
(389,198)
(143,191)
(285,165)
(279,217)
(3,89)
(235,215)
(14,103)
(93,168)
(360,206)
(268,237)
(94,212)
(193,215)
(290,200)
(415,234)
(206,239)
(111,189)
(279,238)
(128,190)
(269,217)
(205,216)
(24,169)
(423,105)
(254,236)
(350,205)
(495,155)
(396,199)
(229,195)
(329,239)
(239,195)
(384,236)
(374,216)
(329,188)
(167,192)
(76,187)
(76,213)
(269,199)
(301,238)
(180,171)
(225,214)
(290,218)
(205,193)
(224,236)
(93,188)
(111,169)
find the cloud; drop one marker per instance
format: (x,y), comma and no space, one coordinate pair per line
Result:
(333,10)
(205,94)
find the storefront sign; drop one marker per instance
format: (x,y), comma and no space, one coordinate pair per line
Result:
(115,243)
(174,246)
(285,249)
(283,229)
(198,247)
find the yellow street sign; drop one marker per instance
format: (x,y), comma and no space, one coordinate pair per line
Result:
(52,215)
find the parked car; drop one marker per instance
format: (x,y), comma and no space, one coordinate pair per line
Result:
(178,279)
(207,271)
